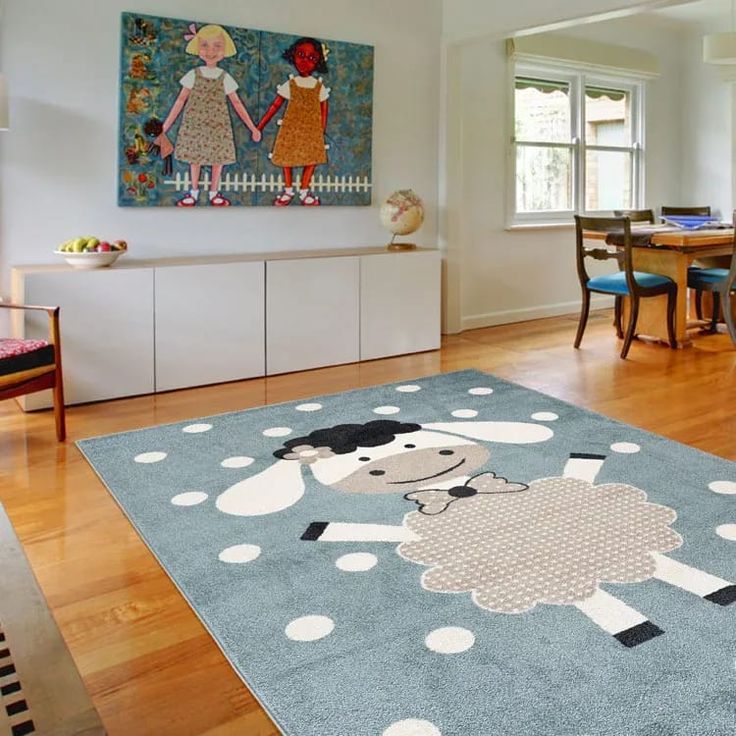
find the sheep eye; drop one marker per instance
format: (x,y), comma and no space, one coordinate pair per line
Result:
(377,472)
(410,447)
(364,459)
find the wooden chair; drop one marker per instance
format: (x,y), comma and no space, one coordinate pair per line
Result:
(626,282)
(720,282)
(700,211)
(637,215)
(646,216)
(27,366)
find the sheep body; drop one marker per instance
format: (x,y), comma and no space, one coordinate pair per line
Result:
(552,543)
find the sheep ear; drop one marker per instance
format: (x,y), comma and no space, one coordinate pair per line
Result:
(512,433)
(272,490)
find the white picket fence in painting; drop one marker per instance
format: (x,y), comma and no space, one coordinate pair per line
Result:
(251,183)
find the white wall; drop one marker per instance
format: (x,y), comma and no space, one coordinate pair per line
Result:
(707,155)
(502,276)
(59,161)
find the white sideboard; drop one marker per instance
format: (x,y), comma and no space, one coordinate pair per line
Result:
(107,334)
(209,323)
(400,303)
(312,313)
(147,326)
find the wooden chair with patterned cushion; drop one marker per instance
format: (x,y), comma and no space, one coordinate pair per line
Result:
(27,366)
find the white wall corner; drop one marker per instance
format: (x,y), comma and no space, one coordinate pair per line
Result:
(450,188)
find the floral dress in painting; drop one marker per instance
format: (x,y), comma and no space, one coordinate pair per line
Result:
(301,140)
(206,133)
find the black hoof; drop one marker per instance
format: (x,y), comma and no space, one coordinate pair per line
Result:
(723,597)
(314,531)
(638,634)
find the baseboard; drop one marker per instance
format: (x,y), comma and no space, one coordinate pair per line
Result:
(474,321)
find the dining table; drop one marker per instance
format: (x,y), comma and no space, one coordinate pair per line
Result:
(670,251)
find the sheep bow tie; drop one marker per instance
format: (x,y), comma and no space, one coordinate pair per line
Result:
(433,501)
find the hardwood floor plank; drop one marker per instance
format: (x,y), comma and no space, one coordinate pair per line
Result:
(147,661)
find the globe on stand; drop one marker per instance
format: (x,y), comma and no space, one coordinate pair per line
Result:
(401,214)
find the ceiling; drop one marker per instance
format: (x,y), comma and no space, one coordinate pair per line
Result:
(700,13)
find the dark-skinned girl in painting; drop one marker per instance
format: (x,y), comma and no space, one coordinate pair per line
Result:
(300,142)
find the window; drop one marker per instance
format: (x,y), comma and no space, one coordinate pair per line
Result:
(576,145)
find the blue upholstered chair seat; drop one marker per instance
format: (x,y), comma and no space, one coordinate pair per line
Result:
(699,277)
(615,283)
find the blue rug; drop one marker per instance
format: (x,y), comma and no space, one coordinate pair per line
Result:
(454,556)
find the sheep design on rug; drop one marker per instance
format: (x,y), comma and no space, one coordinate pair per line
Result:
(511,545)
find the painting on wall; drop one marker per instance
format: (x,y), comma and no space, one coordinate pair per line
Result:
(218,116)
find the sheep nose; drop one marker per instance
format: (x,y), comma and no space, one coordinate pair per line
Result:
(462,491)
(447,452)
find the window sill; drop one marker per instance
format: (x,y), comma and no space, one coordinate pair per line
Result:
(540,226)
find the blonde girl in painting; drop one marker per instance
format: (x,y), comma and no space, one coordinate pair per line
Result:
(300,141)
(205,136)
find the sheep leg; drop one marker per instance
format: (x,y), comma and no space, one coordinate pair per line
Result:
(710,587)
(625,624)
(583,465)
(331,531)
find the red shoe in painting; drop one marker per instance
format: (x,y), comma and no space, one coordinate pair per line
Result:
(187,201)
(308,199)
(219,201)
(284,199)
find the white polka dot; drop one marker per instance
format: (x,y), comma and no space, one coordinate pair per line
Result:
(409,388)
(197,428)
(412,727)
(727,531)
(150,457)
(727,487)
(357,562)
(309,628)
(386,410)
(189,498)
(237,462)
(450,640)
(309,407)
(626,448)
(480,391)
(277,431)
(545,416)
(240,553)
(465,413)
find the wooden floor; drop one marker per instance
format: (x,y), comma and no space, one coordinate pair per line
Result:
(145,658)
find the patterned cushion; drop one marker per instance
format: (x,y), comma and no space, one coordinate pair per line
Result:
(615,283)
(23,355)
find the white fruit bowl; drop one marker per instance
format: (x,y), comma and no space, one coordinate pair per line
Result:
(90,260)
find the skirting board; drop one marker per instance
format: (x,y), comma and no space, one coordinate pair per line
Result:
(475,321)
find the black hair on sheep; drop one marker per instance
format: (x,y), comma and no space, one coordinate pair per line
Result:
(345,438)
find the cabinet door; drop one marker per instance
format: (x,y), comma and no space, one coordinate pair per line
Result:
(312,313)
(399,303)
(106,325)
(209,324)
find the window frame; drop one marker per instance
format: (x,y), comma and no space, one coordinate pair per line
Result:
(578,77)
